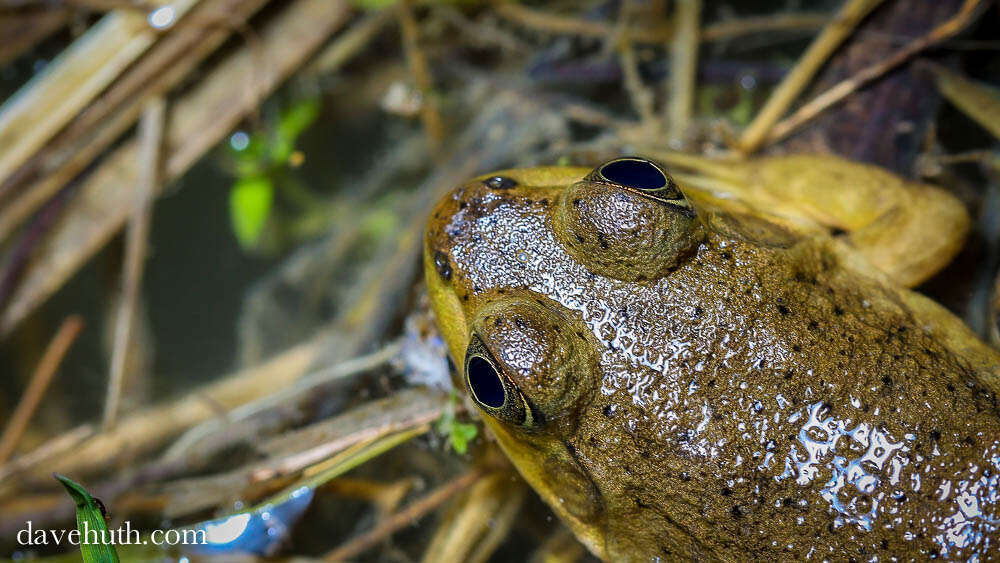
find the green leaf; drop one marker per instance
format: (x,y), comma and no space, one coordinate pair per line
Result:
(90,522)
(250,203)
(461,434)
(292,123)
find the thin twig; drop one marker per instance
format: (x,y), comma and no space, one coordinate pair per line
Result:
(614,40)
(732,29)
(815,56)
(39,383)
(405,517)
(683,67)
(306,384)
(419,70)
(59,445)
(351,42)
(151,141)
(566,25)
(844,88)
(721,31)
(638,93)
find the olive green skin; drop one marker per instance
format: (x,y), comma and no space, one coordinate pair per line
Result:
(766,395)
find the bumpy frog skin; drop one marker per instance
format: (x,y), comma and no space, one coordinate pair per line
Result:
(686,378)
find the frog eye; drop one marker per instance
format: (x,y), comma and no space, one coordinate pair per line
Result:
(490,388)
(627,220)
(642,175)
(485,383)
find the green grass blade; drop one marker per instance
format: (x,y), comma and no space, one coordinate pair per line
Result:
(90,522)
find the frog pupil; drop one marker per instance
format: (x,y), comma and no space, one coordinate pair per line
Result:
(485,382)
(638,174)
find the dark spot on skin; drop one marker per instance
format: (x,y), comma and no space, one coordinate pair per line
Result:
(783,310)
(711,383)
(544,202)
(796,348)
(577,202)
(602,240)
(736,511)
(788,501)
(884,544)
(969,441)
(697,312)
(685,476)
(497,323)
(579,239)
(520,323)
(500,183)
(727,255)
(726,491)
(608,411)
(837,310)
(935,435)
(951,388)
(813,325)
(442,264)
(887,381)
(789,373)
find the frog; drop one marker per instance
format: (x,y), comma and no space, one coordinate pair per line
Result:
(695,359)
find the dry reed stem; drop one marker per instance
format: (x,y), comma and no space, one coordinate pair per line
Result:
(802,73)
(722,31)
(199,119)
(39,383)
(683,49)
(405,517)
(167,64)
(430,114)
(640,96)
(151,142)
(844,88)
(49,101)
(147,430)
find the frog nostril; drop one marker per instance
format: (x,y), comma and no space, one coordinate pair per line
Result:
(484,381)
(634,173)
(500,183)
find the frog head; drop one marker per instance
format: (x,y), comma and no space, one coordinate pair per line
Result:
(529,362)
